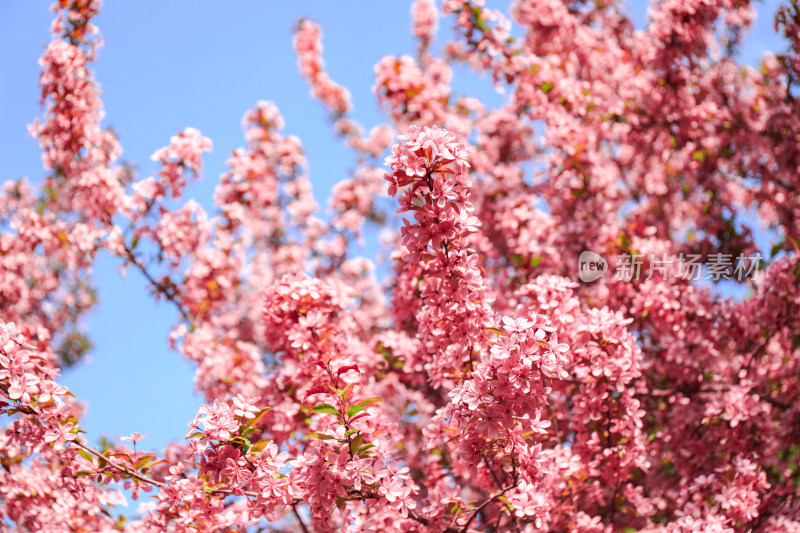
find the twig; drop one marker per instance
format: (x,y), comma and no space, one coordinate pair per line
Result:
(483,505)
(229,492)
(157,284)
(134,474)
(299,519)
(141,477)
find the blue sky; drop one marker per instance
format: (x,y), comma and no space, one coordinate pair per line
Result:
(169,65)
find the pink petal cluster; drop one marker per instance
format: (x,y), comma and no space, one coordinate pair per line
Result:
(430,168)
(308,44)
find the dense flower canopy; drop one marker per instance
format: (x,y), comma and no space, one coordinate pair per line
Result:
(474,379)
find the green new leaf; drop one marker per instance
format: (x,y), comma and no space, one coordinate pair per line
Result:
(353,410)
(153,462)
(257,419)
(320,436)
(776,249)
(259,446)
(355,444)
(326,408)
(506,502)
(86,455)
(369,401)
(344,393)
(366,447)
(360,406)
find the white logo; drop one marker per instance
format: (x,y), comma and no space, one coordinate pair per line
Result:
(591,266)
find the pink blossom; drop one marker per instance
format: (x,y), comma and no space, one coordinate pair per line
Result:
(136,437)
(59,435)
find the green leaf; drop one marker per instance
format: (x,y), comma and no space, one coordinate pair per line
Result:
(534,262)
(153,463)
(547,87)
(356,443)
(320,436)
(344,393)
(497,331)
(353,410)
(325,408)
(86,455)
(699,155)
(369,401)
(258,418)
(259,446)
(775,249)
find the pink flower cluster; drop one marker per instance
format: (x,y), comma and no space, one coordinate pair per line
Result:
(431,170)
(500,405)
(27,386)
(183,157)
(308,45)
(412,95)
(75,148)
(423,20)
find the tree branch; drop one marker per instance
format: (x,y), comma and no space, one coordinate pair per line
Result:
(157,284)
(483,505)
(299,519)
(141,477)
(132,473)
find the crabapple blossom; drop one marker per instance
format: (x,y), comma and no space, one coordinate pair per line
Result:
(464,379)
(309,56)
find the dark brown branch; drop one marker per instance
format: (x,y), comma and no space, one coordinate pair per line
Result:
(299,520)
(483,505)
(132,473)
(141,477)
(160,287)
